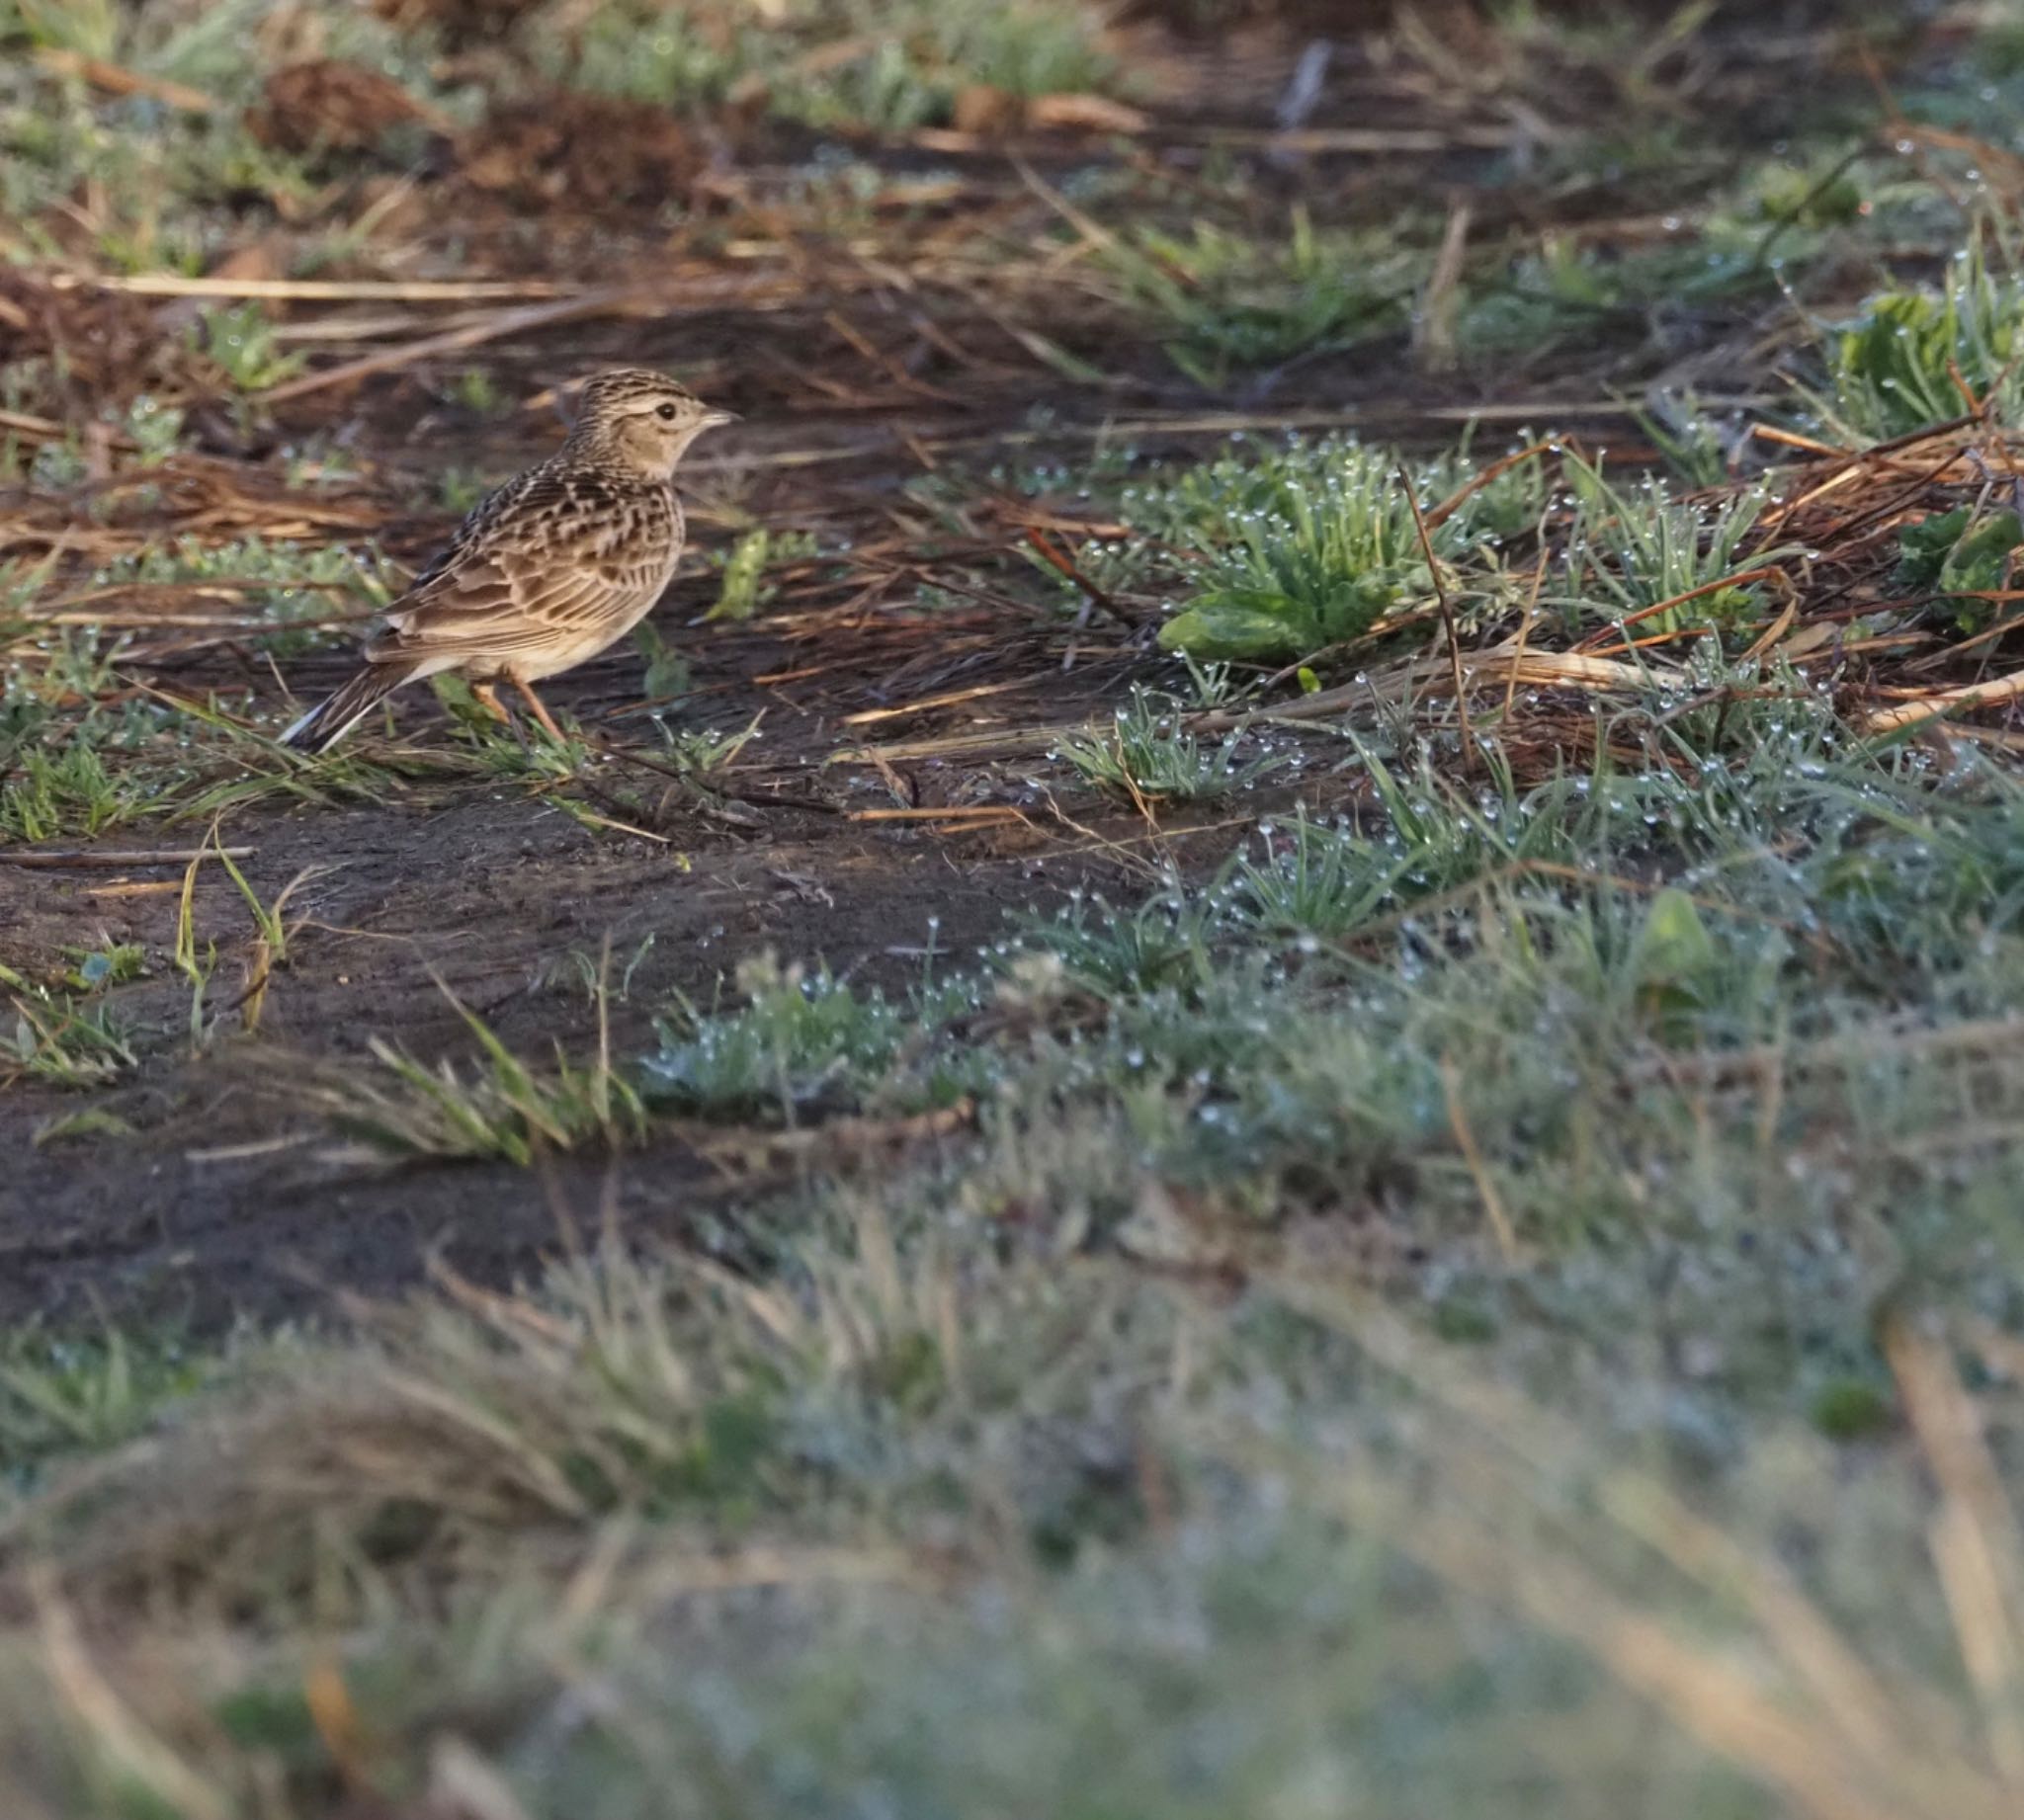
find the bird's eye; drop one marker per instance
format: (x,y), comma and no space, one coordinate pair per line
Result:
(666,413)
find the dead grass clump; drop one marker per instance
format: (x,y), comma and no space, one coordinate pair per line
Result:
(458,22)
(85,349)
(445,1432)
(580,150)
(329,104)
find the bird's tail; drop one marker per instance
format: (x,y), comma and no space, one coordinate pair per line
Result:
(335,716)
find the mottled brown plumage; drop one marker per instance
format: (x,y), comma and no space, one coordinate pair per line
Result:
(549,570)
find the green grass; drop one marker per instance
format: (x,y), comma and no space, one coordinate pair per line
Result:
(88,1393)
(798,1042)
(68,794)
(1306,546)
(500,1107)
(1636,549)
(993,1442)
(1489,1291)
(903,62)
(1228,302)
(1148,753)
(60,1037)
(1093,1419)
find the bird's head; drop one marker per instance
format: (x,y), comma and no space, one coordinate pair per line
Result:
(643,419)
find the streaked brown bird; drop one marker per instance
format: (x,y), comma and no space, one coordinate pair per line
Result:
(555,565)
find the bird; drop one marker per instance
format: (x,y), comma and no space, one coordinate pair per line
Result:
(548,569)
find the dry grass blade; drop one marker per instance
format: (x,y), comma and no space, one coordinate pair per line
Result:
(1977,1543)
(1965,698)
(1827,1731)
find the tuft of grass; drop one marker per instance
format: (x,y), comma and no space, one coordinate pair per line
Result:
(1299,552)
(702,752)
(501,1107)
(890,66)
(1229,301)
(60,1039)
(1147,752)
(69,795)
(241,342)
(1641,547)
(799,1042)
(1570,290)
(88,1393)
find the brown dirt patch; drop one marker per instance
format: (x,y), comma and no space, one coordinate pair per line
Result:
(582,151)
(330,105)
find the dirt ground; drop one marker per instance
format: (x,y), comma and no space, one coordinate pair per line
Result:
(856,376)
(229,1197)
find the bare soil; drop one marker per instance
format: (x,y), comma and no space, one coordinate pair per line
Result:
(855,377)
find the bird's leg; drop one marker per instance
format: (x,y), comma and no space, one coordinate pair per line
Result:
(486,695)
(541,714)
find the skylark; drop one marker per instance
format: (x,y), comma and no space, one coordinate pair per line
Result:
(546,571)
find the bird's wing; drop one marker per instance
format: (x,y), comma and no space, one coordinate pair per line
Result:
(478,523)
(548,571)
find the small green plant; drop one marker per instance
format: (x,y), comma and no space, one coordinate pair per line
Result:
(241,342)
(474,389)
(271,937)
(283,582)
(196,964)
(1317,881)
(668,673)
(1568,290)
(1960,555)
(744,589)
(1300,550)
(1691,443)
(701,751)
(93,970)
(1166,943)
(1915,357)
(87,1393)
(893,67)
(68,794)
(798,1040)
(1147,752)
(460,488)
(59,1039)
(1231,301)
(1641,547)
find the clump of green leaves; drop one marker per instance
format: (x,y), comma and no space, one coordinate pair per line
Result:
(1312,545)
(1961,554)
(500,1107)
(62,1037)
(1894,369)
(1568,289)
(70,793)
(87,1392)
(892,66)
(745,588)
(241,343)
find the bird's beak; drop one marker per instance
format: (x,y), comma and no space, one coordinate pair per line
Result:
(711,419)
